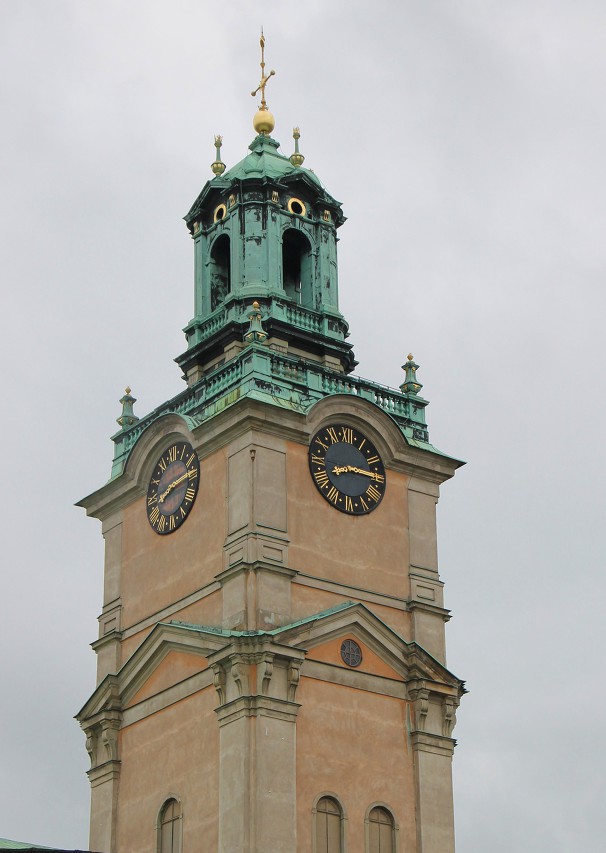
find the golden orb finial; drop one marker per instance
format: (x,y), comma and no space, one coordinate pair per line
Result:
(263,122)
(218,167)
(297,158)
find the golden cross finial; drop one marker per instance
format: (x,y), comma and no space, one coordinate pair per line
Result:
(264,77)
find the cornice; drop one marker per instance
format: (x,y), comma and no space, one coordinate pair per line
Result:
(256,706)
(432,743)
(414,604)
(253,415)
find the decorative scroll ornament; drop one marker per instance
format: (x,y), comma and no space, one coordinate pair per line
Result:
(449,715)
(294,676)
(420,700)
(219,681)
(91,745)
(109,738)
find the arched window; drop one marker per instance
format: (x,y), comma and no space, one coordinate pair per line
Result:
(328,829)
(381,831)
(296,267)
(170,827)
(220,271)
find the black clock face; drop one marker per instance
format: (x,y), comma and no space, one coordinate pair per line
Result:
(347,469)
(173,488)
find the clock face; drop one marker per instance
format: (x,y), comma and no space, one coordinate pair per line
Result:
(347,469)
(173,488)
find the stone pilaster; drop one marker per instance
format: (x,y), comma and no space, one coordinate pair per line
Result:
(256,682)
(102,744)
(256,579)
(433,748)
(426,602)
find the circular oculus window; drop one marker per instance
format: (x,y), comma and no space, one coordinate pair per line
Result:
(220,212)
(351,653)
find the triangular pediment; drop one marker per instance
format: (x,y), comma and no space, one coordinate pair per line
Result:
(147,670)
(177,666)
(331,653)
(387,654)
(319,634)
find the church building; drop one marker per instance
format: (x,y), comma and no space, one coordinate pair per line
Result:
(271,669)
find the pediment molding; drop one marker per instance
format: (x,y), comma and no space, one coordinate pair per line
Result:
(409,660)
(385,434)
(418,669)
(115,691)
(133,481)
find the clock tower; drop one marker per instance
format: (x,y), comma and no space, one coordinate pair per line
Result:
(271,672)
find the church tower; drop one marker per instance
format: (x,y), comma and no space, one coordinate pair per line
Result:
(271,672)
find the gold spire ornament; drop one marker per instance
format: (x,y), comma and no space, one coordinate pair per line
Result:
(263,122)
(297,158)
(218,167)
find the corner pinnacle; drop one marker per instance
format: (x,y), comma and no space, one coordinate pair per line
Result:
(297,158)
(218,167)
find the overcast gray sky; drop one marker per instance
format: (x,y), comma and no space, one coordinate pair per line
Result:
(466,140)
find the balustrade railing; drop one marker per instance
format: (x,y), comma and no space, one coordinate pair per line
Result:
(211,326)
(287,368)
(284,371)
(223,378)
(303,319)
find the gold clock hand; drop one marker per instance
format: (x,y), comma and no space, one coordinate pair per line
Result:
(370,474)
(171,487)
(347,468)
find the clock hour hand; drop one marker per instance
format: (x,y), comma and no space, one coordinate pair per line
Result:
(344,469)
(172,485)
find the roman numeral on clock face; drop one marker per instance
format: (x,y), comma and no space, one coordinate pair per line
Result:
(321,478)
(373,493)
(332,434)
(347,435)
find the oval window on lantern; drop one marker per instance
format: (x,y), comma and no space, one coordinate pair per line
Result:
(220,213)
(296,206)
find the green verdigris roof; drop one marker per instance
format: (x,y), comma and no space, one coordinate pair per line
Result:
(265,161)
(226,632)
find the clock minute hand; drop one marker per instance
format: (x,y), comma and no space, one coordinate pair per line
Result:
(171,487)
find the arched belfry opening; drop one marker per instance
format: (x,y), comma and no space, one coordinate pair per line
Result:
(296,267)
(220,271)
